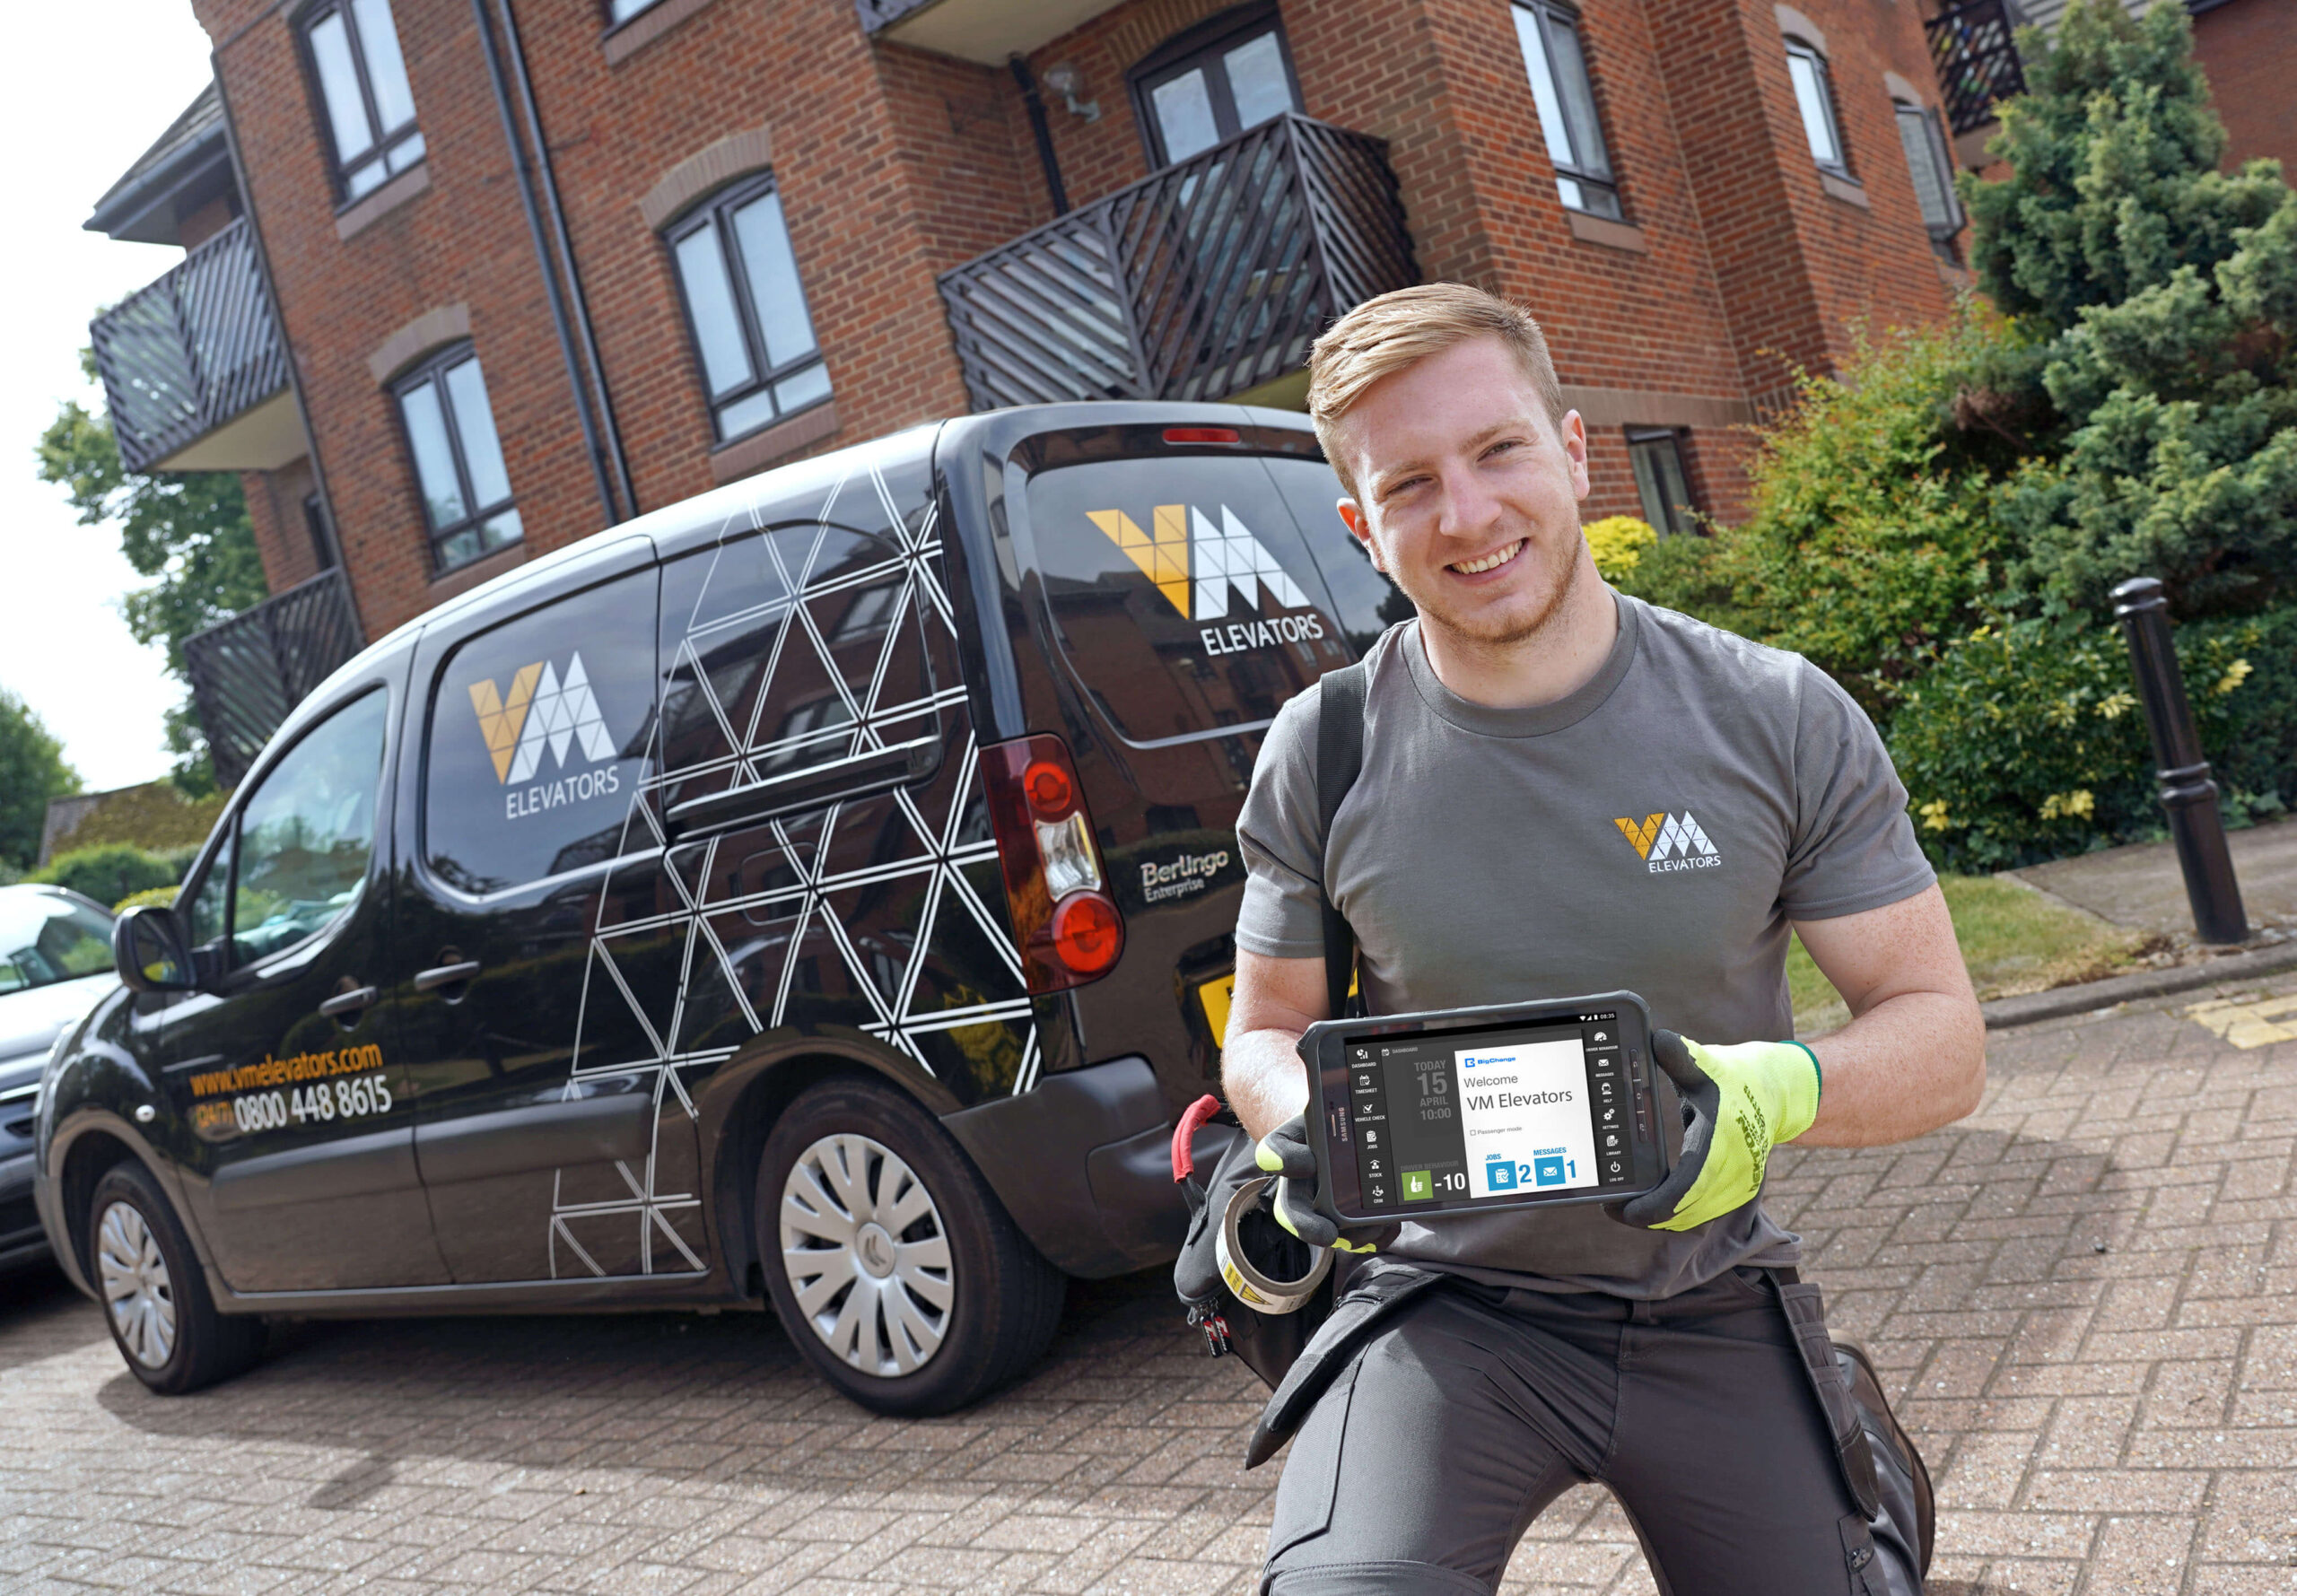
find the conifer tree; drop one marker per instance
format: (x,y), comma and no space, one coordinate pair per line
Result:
(2164,294)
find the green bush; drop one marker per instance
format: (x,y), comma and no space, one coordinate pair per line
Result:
(109,873)
(1871,534)
(2024,741)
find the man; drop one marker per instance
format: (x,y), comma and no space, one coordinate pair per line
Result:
(1518,736)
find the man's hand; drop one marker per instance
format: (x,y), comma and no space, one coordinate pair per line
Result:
(1741,1099)
(1284,1152)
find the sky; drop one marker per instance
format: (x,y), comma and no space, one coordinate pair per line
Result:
(94,86)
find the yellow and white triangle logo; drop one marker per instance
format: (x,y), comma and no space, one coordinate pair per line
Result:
(541,709)
(1192,560)
(1659,837)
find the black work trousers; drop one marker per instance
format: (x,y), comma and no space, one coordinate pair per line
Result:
(1423,1464)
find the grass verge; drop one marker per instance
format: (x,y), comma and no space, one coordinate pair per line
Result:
(2013,940)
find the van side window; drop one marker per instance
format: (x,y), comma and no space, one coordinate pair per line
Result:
(538,741)
(792,647)
(307,833)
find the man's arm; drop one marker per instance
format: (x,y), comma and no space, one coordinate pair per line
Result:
(1276,999)
(1913,1057)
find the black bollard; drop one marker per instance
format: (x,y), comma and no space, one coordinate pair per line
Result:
(2187,791)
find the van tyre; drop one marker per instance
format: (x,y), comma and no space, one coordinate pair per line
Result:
(894,1268)
(154,1294)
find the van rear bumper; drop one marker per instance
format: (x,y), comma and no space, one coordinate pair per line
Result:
(1083,1163)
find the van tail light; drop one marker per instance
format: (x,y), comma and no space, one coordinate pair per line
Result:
(1069,930)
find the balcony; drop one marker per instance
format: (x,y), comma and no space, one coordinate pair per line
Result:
(249,672)
(194,368)
(1203,281)
(1976,58)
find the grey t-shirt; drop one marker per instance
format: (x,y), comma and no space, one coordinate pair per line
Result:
(1654,831)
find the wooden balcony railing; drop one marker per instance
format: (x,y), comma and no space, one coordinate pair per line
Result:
(1976,58)
(1199,281)
(186,354)
(249,672)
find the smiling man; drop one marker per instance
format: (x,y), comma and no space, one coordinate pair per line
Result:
(1567,791)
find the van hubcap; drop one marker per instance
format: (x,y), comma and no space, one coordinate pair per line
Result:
(136,1285)
(866,1254)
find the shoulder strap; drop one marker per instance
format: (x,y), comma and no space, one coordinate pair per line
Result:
(1340,755)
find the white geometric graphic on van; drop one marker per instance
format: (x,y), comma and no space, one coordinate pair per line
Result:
(1187,554)
(827,866)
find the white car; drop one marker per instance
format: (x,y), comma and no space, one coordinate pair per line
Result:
(55,963)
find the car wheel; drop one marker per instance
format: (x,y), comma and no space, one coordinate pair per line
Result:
(893,1266)
(155,1295)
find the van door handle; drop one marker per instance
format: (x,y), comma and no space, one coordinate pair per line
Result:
(350,1002)
(445,975)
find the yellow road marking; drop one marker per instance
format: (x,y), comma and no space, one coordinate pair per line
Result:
(2245,1021)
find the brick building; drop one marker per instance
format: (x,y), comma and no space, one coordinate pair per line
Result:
(471,279)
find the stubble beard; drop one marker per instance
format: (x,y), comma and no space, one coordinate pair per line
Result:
(1500,635)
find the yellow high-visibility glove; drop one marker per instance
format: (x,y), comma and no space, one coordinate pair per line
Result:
(1284,1152)
(1740,1102)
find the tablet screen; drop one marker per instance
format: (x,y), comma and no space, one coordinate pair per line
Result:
(1504,1114)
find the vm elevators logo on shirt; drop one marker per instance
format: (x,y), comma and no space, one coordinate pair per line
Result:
(1667,842)
(545,710)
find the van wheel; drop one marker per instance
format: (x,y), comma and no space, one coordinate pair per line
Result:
(893,1266)
(155,1295)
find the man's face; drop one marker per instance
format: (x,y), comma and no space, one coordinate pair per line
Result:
(1467,497)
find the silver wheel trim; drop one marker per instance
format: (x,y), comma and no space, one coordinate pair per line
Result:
(138,1292)
(866,1255)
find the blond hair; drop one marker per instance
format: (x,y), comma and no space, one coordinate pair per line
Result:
(1396,331)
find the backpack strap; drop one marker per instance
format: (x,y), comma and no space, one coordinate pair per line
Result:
(1339,756)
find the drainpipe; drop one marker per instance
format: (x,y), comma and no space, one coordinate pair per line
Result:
(295,366)
(525,176)
(1042,129)
(613,434)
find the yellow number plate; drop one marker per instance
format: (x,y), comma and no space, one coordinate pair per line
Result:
(1216,994)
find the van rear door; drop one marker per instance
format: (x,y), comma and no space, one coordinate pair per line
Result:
(1184,588)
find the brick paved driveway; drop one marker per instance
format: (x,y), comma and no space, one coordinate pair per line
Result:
(2087,1294)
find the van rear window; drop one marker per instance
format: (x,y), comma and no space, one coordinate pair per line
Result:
(1184,597)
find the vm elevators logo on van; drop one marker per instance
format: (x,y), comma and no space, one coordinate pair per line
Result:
(1193,559)
(1666,843)
(546,711)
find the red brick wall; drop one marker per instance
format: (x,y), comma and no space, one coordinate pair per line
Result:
(282,537)
(2249,49)
(896,164)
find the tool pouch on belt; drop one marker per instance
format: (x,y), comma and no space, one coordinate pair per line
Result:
(1891,1551)
(1267,1343)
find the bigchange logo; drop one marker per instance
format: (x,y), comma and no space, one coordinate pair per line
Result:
(542,709)
(1666,843)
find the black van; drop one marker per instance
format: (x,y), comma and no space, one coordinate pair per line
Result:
(820,890)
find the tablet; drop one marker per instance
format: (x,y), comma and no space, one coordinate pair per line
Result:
(1460,1110)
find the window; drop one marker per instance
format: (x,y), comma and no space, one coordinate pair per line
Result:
(1932,166)
(1558,68)
(46,936)
(457,459)
(1814,97)
(315,527)
(1213,82)
(1658,460)
(619,11)
(537,741)
(748,311)
(1181,618)
(354,49)
(303,840)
